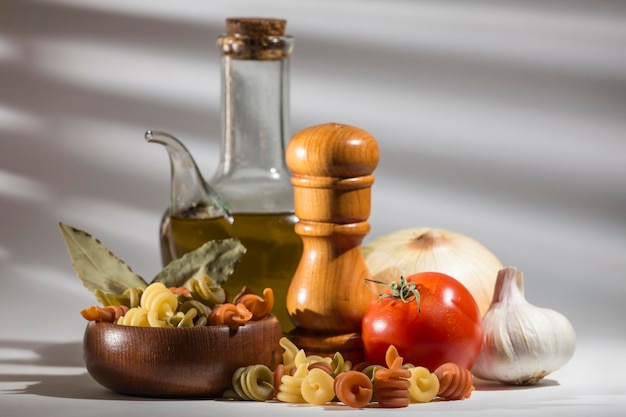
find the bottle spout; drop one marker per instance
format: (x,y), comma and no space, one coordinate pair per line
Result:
(191,196)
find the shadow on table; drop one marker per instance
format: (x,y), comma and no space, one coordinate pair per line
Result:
(57,379)
(484,385)
(51,382)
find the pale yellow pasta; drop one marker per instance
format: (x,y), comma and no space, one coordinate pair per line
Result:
(155,321)
(316,358)
(289,353)
(301,359)
(317,387)
(424,385)
(136,316)
(290,388)
(160,300)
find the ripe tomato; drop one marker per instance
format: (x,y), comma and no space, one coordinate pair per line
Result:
(447,327)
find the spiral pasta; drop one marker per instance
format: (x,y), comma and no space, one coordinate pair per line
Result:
(252,383)
(338,364)
(424,385)
(353,388)
(181,291)
(324,366)
(317,387)
(260,307)
(455,382)
(204,289)
(290,388)
(278,372)
(136,316)
(317,380)
(159,301)
(230,315)
(129,298)
(370,371)
(360,366)
(392,384)
(290,350)
(202,314)
(109,314)
(181,319)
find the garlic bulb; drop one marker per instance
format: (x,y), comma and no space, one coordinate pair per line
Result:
(408,251)
(522,343)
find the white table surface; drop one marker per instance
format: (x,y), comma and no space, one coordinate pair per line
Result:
(48,379)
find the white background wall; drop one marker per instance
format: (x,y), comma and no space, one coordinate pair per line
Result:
(503,120)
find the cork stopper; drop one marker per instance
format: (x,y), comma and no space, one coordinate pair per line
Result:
(255,27)
(253,38)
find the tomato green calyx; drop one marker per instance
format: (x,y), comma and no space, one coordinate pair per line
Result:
(404,290)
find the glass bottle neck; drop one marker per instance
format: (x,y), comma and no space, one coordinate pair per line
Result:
(252,175)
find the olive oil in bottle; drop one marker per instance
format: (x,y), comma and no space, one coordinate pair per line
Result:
(272,250)
(252,178)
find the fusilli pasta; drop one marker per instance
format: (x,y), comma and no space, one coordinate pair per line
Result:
(455,382)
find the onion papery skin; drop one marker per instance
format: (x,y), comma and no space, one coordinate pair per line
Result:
(423,249)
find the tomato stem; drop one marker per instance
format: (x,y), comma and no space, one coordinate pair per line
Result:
(405,291)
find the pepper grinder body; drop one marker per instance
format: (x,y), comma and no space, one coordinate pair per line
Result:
(332,167)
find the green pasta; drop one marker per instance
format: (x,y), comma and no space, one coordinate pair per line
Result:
(129,298)
(205,290)
(181,319)
(202,311)
(338,365)
(252,383)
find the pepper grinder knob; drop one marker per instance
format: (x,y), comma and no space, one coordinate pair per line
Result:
(332,167)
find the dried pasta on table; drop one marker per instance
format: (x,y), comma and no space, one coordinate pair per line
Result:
(455,382)
(354,389)
(392,384)
(424,385)
(317,387)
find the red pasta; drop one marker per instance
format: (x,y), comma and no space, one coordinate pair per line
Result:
(181,291)
(324,366)
(392,383)
(392,392)
(260,307)
(279,371)
(108,314)
(455,382)
(360,366)
(354,389)
(233,315)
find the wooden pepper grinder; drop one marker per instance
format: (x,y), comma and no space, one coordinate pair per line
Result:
(332,167)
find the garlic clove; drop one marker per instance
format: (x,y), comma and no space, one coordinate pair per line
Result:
(522,343)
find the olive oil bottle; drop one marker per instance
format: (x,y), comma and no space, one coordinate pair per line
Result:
(252,179)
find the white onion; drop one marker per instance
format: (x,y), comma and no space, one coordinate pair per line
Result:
(421,249)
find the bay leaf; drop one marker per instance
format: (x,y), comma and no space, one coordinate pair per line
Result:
(217,258)
(96,266)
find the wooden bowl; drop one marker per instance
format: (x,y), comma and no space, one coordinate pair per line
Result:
(177,362)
